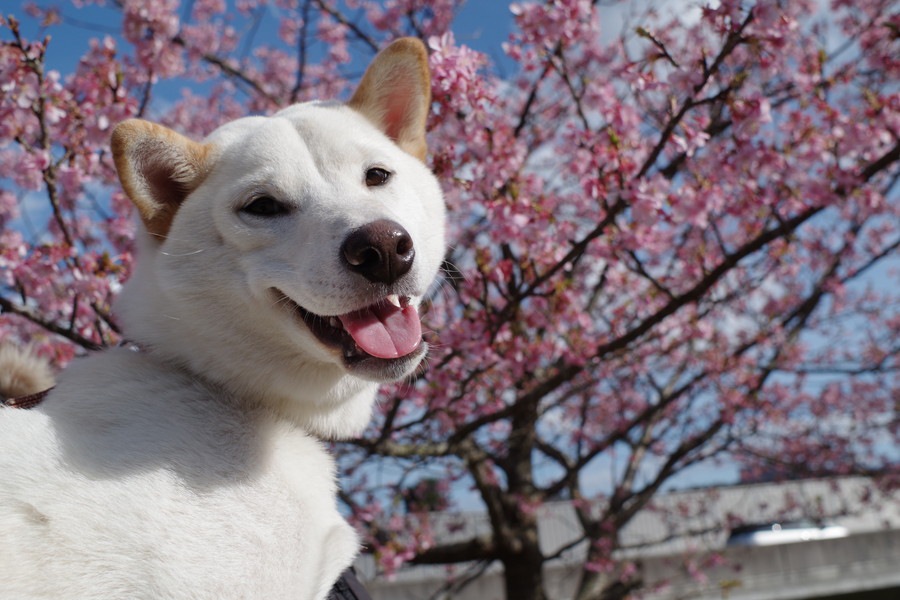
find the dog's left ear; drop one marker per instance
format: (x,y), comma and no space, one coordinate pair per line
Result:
(395,94)
(158,168)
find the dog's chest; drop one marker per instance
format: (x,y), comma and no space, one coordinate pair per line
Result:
(276,534)
(168,500)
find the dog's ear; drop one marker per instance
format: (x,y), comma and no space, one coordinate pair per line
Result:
(395,94)
(158,168)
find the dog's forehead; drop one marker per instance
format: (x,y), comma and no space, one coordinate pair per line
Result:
(315,133)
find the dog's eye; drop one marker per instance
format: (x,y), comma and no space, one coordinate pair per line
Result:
(377,176)
(266,206)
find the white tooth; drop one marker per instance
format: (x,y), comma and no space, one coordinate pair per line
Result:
(394,299)
(333,321)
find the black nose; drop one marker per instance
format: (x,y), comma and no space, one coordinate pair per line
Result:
(381,251)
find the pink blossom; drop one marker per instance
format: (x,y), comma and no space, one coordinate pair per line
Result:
(658,238)
(9,207)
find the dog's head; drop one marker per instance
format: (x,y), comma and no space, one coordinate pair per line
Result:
(287,255)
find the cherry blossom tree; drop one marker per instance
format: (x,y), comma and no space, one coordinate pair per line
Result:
(672,245)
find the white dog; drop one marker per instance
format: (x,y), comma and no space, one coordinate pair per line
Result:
(278,283)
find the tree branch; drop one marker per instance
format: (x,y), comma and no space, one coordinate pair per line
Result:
(65,332)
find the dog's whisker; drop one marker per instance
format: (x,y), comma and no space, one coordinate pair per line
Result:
(183,254)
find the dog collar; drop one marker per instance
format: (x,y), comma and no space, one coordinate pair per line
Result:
(28,401)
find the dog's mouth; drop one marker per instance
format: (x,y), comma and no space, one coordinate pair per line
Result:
(386,330)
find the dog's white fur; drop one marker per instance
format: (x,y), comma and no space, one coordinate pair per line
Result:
(186,467)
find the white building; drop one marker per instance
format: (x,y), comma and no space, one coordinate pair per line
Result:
(689,526)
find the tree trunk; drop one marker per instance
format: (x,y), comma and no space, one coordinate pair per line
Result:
(524,576)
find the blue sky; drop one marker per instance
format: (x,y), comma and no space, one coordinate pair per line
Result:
(480,24)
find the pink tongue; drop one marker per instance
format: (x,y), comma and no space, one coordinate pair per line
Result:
(384,330)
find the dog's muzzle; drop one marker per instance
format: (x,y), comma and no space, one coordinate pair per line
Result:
(382,341)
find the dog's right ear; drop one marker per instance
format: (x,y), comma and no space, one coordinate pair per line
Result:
(158,168)
(395,94)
